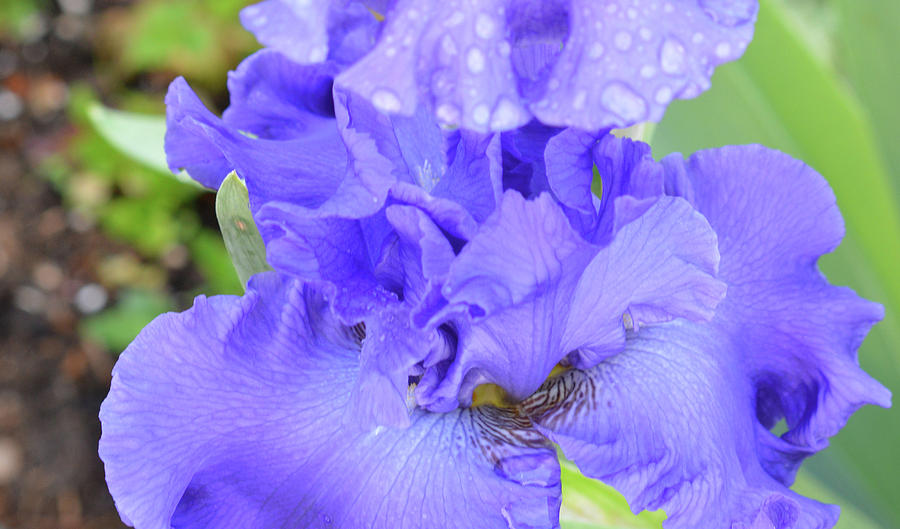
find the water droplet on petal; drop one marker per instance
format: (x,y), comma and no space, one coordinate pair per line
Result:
(484,26)
(623,101)
(723,50)
(506,115)
(318,53)
(729,12)
(475,60)
(455,19)
(448,113)
(648,71)
(671,56)
(622,40)
(596,51)
(385,100)
(580,99)
(664,95)
(448,45)
(481,114)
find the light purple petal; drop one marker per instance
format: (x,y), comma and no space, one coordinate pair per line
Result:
(625,61)
(681,419)
(235,414)
(489,66)
(296,28)
(450,55)
(309,31)
(536,291)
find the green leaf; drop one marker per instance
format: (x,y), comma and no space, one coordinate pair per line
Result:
(210,256)
(139,136)
(242,238)
(866,46)
(117,326)
(782,95)
(591,504)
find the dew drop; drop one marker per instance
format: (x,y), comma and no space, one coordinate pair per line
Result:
(664,95)
(449,45)
(455,19)
(481,114)
(318,53)
(671,56)
(723,50)
(729,12)
(448,113)
(648,71)
(385,100)
(580,100)
(596,51)
(622,40)
(506,115)
(484,26)
(475,60)
(621,100)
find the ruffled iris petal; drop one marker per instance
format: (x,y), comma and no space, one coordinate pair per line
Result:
(303,166)
(452,56)
(309,31)
(680,420)
(669,423)
(535,291)
(234,413)
(625,61)
(491,66)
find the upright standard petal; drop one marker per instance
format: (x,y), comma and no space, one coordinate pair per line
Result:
(781,345)
(235,414)
(491,66)
(534,292)
(625,61)
(309,31)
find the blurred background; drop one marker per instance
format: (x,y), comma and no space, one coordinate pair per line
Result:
(94,244)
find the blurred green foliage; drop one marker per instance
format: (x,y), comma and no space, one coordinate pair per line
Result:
(18,18)
(132,197)
(197,38)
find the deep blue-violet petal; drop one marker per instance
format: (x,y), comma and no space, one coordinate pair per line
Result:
(305,169)
(275,99)
(234,414)
(536,291)
(681,419)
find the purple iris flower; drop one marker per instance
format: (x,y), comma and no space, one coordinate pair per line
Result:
(416,264)
(493,65)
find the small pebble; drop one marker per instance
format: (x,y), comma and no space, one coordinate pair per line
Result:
(30,299)
(91,298)
(10,105)
(11,460)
